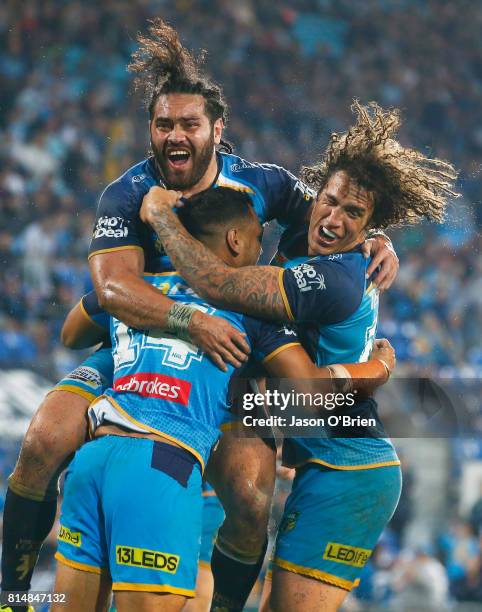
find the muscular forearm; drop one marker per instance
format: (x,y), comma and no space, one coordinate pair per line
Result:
(122,291)
(134,302)
(294,364)
(252,290)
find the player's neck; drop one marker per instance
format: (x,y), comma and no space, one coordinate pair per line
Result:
(219,250)
(207,179)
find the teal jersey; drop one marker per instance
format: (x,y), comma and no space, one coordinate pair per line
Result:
(336,312)
(164,385)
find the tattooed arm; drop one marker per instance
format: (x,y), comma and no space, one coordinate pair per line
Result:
(253,290)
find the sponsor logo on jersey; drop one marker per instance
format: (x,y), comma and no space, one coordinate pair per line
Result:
(289,522)
(335,256)
(307,278)
(308,193)
(160,386)
(176,353)
(69,537)
(138,178)
(287,331)
(149,559)
(244,165)
(111,227)
(85,374)
(349,555)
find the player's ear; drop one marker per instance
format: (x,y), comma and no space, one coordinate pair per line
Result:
(233,241)
(218,127)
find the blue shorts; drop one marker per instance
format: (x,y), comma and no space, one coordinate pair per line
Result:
(92,377)
(133,507)
(213,516)
(333,519)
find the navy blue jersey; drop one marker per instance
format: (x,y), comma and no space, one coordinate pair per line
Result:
(336,312)
(275,193)
(89,305)
(168,386)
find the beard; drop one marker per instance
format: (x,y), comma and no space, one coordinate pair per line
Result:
(184,179)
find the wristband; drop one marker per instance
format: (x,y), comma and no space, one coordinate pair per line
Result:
(372,233)
(178,319)
(385,365)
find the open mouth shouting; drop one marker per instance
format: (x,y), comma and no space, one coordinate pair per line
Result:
(178,158)
(326,236)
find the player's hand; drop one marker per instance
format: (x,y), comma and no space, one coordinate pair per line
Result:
(384,351)
(157,199)
(222,342)
(383,254)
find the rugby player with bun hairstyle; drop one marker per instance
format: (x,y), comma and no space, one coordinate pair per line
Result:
(366,178)
(187,114)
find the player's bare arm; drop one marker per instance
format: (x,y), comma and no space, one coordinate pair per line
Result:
(79,331)
(125,295)
(252,290)
(122,291)
(294,363)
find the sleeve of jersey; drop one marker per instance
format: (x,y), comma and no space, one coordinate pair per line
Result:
(289,198)
(322,292)
(117,220)
(92,311)
(269,339)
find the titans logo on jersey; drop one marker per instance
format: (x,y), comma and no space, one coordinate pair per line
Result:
(168,386)
(275,192)
(336,314)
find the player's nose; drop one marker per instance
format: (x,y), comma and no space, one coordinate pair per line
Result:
(177,134)
(334,218)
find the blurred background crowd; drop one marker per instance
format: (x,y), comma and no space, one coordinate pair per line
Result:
(68,126)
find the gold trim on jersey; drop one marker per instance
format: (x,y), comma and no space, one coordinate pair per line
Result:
(284,296)
(153,588)
(153,430)
(365,466)
(76,390)
(111,250)
(88,317)
(341,583)
(224,181)
(84,567)
(279,350)
(209,493)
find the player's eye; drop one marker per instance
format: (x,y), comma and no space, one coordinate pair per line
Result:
(354,214)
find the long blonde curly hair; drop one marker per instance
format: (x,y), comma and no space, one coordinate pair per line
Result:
(407,186)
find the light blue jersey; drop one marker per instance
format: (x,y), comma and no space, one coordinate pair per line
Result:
(167,386)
